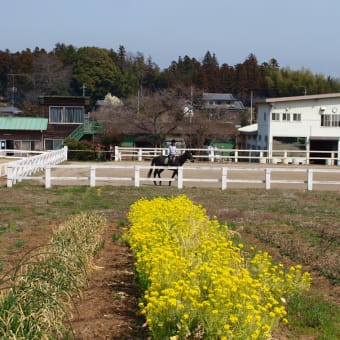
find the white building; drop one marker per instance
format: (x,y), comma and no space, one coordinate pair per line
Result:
(304,123)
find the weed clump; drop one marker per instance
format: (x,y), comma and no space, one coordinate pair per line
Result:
(36,294)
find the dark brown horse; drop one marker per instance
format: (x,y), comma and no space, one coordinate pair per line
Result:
(163,161)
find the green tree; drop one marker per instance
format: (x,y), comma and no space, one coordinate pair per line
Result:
(66,53)
(210,69)
(95,68)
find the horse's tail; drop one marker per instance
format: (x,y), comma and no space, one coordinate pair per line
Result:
(151,169)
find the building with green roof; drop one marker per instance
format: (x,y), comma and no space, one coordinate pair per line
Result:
(25,133)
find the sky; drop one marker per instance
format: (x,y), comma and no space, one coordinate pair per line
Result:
(299,34)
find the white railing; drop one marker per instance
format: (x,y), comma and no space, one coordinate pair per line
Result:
(24,168)
(7,155)
(18,153)
(222,177)
(236,155)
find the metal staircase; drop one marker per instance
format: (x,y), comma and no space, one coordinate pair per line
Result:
(88,128)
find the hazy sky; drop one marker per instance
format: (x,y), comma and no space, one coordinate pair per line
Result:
(297,33)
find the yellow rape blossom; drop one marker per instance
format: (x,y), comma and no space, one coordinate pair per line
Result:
(195,279)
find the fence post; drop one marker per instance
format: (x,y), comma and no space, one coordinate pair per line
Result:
(48,176)
(236,156)
(332,158)
(309,179)
(65,153)
(267,180)
(180,177)
(92,176)
(224,178)
(140,155)
(116,153)
(212,155)
(137,176)
(307,157)
(9,176)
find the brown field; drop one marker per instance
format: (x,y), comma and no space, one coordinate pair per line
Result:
(295,226)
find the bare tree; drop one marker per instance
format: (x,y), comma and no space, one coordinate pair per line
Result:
(50,75)
(199,129)
(161,115)
(158,114)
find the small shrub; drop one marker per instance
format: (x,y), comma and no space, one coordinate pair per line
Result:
(80,150)
(36,293)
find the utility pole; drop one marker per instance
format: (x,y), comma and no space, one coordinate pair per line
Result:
(84,89)
(251,107)
(14,89)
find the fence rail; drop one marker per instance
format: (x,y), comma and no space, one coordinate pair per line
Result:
(216,174)
(24,168)
(222,177)
(236,155)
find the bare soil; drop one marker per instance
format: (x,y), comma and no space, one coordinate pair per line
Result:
(108,307)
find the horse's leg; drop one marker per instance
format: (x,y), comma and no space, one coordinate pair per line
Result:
(159,175)
(154,176)
(173,176)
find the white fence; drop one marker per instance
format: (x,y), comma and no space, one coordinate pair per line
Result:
(24,168)
(236,155)
(221,177)
(6,155)
(215,175)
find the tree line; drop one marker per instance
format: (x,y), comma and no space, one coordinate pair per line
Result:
(94,71)
(153,98)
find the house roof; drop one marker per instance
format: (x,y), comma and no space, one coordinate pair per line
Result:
(248,129)
(23,123)
(10,109)
(301,98)
(218,96)
(224,97)
(64,100)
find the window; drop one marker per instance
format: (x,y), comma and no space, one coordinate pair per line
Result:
(56,114)
(53,144)
(275,116)
(32,145)
(297,117)
(286,116)
(336,120)
(330,120)
(66,114)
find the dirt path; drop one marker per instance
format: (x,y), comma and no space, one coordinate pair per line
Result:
(108,308)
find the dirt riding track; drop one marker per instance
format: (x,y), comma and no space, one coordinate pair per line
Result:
(200,174)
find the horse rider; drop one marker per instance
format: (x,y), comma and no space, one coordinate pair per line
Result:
(172,152)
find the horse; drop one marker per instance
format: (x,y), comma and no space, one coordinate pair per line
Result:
(164,161)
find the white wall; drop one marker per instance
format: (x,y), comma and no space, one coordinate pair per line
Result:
(309,126)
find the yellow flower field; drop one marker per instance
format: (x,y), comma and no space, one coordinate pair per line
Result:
(197,283)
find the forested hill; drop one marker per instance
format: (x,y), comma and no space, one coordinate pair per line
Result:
(94,71)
